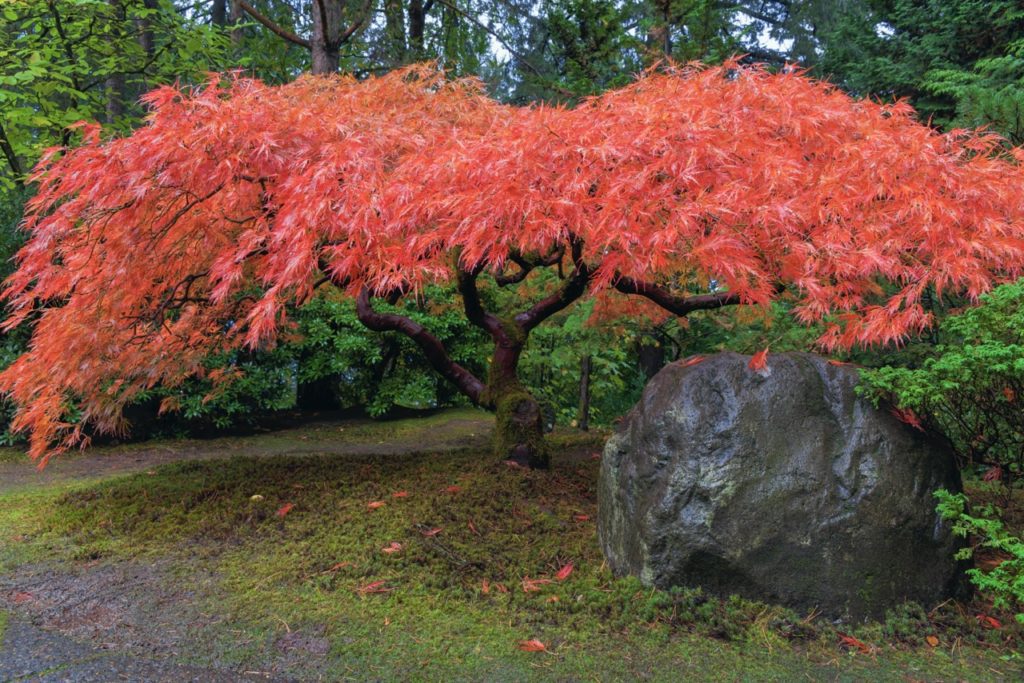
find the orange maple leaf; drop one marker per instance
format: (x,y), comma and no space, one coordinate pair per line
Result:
(533,645)
(907,416)
(759,361)
(533,585)
(375,587)
(990,622)
(853,643)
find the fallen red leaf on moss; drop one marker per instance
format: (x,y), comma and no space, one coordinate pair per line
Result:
(373,505)
(375,587)
(400,494)
(533,645)
(453,489)
(532,585)
(432,532)
(394,547)
(988,621)
(853,643)
(581,518)
(285,509)
(564,572)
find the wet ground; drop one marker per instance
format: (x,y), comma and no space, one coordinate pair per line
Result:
(140,621)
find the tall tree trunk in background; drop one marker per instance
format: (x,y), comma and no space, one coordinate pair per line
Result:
(115,85)
(326,42)
(659,35)
(417,26)
(233,19)
(219,13)
(147,40)
(584,418)
(394,31)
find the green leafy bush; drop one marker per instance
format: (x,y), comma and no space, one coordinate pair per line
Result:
(971,390)
(551,367)
(381,372)
(1004,582)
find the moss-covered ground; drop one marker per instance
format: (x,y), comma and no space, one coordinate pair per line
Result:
(438,565)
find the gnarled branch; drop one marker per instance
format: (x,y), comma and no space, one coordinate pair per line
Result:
(678,305)
(575,286)
(431,346)
(475,311)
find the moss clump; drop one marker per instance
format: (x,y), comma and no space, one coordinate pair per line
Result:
(519,429)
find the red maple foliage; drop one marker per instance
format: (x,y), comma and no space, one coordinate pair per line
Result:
(238,199)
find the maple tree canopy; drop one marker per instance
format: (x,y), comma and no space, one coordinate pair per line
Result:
(237,199)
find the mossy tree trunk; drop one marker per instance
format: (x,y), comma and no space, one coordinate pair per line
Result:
(519,423)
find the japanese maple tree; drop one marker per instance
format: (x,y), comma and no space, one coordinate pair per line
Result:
(237,200)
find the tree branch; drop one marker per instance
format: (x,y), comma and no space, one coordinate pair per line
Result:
(475,311)
(431,346)
(273,26)
(527,264)
(11,156)
(573,289)
(678,305)
(355,25)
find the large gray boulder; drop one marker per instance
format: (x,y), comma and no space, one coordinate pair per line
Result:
(779,485)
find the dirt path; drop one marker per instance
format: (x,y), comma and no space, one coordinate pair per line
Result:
(449,430)
(130,621)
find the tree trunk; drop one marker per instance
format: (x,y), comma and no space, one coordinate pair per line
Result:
(115,85)
(326,40)
(417,25)
(219,13)
(394,30)
(236,16)
(584,419)
(519,422)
